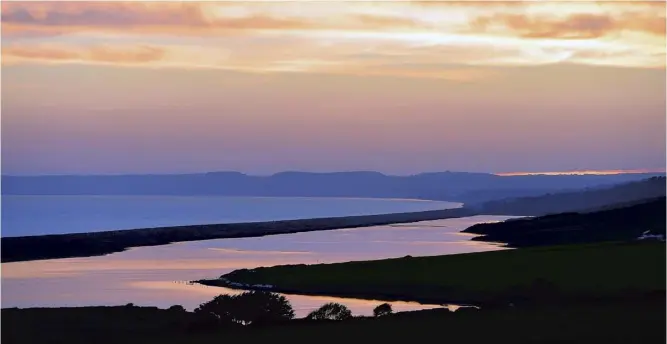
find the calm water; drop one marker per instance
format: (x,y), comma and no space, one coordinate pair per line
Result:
(156,275)
(35,215)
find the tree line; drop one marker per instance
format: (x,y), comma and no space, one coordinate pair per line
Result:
(262,307)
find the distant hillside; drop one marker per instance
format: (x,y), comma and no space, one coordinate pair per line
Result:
(588,199)
(618,224)
(449,186)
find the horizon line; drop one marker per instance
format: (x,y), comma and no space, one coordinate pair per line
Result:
(501,174)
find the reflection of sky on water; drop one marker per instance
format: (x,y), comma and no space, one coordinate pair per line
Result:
(155,275)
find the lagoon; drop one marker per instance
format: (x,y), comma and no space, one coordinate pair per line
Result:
(157,276)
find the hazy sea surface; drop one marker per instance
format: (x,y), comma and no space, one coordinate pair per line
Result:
(37,215)
(156,276)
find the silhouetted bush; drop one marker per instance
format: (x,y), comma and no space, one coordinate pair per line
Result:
(252,307)
(330,311)
(382,310)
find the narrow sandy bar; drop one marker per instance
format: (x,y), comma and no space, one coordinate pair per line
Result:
(39,247)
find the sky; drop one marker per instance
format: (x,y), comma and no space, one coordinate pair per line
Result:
(399,87)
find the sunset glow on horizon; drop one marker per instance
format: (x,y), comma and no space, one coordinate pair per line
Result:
(580,173)
(392,86)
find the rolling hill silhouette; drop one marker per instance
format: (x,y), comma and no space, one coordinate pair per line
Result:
(582,200)
(450,186)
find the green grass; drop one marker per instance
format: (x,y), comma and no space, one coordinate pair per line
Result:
(618,322)
(607,269)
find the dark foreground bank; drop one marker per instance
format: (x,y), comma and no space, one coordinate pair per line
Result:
(39,247)
(617,322)
(489,279)
(621,223)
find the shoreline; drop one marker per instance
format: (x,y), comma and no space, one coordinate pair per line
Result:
(379,297)
(78,245)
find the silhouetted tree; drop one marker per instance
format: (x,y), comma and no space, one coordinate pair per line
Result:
(252,307)
(176,308)
(382,310)
(222,307)
(330,311)
(262,307)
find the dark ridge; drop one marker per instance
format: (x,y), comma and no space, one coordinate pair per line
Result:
(40,247)
(580,200)
(445,186)
(625,223)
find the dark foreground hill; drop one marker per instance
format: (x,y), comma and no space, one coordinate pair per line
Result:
(625,223)
(602,293)
(580,200)
(538,275)
(617,323)
(449,186)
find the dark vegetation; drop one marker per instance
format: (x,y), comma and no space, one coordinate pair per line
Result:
(98,243)
(625,223)
(248,308)
(582,273)
(636,321)
(330,311)
(581,200)
(382,310)
(450,186)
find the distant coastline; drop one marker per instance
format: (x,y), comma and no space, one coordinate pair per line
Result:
(41,247)
(462,187)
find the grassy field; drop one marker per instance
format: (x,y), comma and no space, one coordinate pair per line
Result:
(620,322)
(574,271)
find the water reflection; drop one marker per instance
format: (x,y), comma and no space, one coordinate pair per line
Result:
(156,275)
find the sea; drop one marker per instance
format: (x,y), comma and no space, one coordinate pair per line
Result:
(39,215)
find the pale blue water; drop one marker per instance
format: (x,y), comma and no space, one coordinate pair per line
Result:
(37,215)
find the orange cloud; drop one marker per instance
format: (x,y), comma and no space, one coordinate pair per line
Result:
(48,18)
(576,26)
(186,18)
(415,39)
(134,55)
(103,54)
(40,53)
(472,3)
(395,22)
